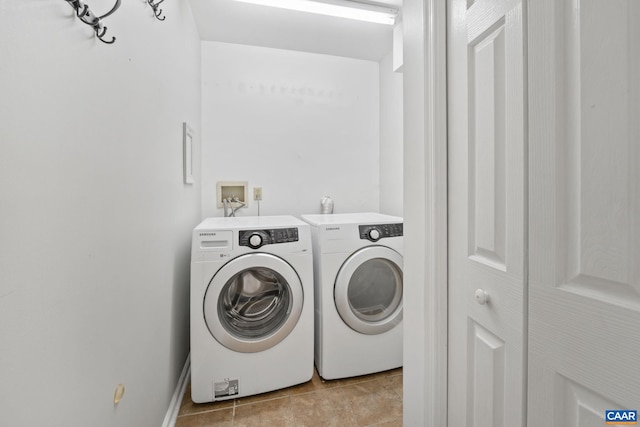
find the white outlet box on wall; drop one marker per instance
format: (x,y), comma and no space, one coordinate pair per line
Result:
(230,190)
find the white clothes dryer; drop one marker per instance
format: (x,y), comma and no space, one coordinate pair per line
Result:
(251,306)
(358,261)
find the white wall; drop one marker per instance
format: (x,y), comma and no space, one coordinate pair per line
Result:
(95,220)
(299,125)
(391,138)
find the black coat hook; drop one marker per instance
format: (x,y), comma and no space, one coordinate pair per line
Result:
(88,17)
(113,9)
(100,32)
(156,11)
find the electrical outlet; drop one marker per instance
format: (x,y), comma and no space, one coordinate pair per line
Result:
(257,193)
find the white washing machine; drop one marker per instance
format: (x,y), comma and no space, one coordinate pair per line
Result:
(358,293)
(251,306)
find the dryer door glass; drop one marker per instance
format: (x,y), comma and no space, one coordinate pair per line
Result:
(368,290)
(375,289)
(254,303)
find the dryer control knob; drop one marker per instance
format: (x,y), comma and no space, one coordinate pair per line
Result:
(255,241)
(374,234)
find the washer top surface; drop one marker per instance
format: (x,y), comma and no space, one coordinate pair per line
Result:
(215,223)
(350,218)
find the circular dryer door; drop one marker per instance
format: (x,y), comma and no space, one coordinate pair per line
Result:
(253,302)
(368,290)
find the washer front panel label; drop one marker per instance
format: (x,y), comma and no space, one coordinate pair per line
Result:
(225,387)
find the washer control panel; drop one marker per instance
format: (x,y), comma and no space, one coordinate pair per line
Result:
(376,232)
(258,238)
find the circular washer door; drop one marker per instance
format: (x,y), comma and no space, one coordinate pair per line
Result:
(368,290)
(253,302)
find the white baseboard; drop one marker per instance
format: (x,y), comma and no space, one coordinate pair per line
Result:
(176,400)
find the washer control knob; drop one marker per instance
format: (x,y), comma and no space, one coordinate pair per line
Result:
(255,241)
(374,234)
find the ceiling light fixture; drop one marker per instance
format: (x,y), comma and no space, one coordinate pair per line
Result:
(340,8)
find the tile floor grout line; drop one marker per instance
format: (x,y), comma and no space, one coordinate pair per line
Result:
(260,401)
(352,414)
(204,411)
(293,415)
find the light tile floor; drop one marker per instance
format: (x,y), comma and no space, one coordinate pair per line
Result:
(370,400)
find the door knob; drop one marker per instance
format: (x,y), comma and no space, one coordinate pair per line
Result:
(482,297)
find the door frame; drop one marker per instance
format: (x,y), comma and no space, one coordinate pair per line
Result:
(425,213)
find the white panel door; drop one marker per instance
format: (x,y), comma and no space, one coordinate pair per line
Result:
(584,119)
(487,196)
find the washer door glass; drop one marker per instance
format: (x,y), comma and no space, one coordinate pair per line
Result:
(368,290)
(253,302)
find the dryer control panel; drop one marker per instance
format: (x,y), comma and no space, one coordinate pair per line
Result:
(257,238)
(379,231)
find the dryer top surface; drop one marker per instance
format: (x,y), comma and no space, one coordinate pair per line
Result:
(350,218)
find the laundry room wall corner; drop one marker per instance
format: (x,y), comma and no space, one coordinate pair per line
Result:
(391,138)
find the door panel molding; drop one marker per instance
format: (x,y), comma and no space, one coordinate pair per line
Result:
(487,168)
(580,406)
(486,377)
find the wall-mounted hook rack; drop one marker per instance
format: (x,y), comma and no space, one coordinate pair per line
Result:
(88,17)
(156,11)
